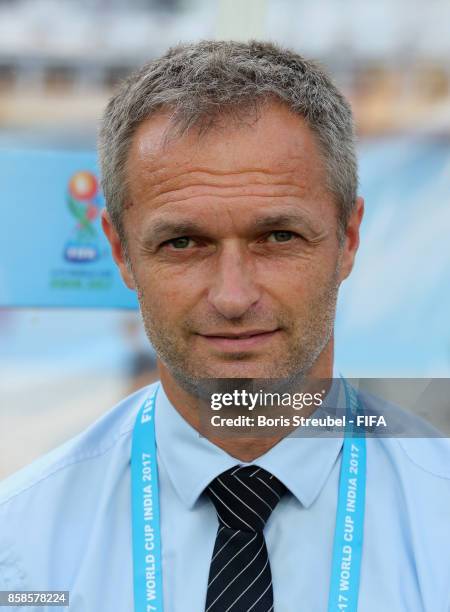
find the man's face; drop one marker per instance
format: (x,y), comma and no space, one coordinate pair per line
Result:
(233,247)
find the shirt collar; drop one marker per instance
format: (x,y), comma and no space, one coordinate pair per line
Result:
(302,464)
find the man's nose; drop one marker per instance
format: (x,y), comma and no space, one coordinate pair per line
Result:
(233,287)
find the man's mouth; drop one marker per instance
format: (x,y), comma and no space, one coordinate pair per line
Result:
(239,341)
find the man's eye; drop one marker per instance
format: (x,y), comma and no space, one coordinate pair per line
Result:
(180,243)
(280,236)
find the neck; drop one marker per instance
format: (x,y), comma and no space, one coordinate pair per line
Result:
(242,448)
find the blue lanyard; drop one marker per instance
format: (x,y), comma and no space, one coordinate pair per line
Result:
(146,537)
(348,533)
(147,568)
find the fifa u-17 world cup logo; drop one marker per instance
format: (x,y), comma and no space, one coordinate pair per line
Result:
(83,200)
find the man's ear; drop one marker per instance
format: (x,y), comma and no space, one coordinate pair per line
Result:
(117,249)
(351,238)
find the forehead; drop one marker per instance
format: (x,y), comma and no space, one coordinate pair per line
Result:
(277,146)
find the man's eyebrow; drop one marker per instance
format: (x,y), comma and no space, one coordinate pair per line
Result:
(161,229)
(284,220)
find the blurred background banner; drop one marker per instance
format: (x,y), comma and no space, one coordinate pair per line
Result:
(51,235)
(393,310)
(60,61)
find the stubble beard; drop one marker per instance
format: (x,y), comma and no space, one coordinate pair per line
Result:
(303,349)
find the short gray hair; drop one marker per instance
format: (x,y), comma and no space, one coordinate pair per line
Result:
(200,82)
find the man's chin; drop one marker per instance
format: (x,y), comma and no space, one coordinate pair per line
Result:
(240,367)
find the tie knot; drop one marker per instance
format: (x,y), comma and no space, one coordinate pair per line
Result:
(244,497)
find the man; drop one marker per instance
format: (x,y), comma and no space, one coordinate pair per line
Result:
(230,179)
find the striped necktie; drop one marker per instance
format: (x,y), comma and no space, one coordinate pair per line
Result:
(240,579)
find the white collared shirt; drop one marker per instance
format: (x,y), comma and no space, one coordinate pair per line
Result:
(65,521)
